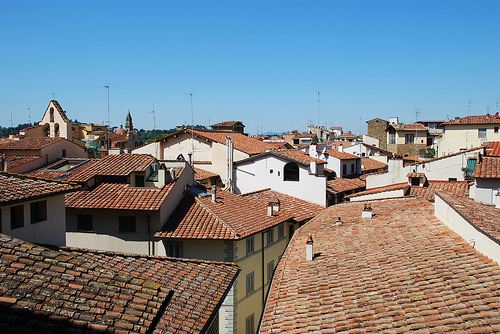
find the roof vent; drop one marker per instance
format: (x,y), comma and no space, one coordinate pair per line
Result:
(214,194)
(309,249)
(367,212)
(339,221)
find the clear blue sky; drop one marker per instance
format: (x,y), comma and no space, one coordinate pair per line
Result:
(256,61)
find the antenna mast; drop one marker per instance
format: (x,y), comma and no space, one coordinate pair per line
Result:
(417,112)
(192,128)
(318,105)
(107,87)
(29,115)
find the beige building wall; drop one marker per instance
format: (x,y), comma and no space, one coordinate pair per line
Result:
(50,231)
(460,137)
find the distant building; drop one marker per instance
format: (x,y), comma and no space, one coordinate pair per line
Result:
(297,139)
(124,140)
(343,164)
(325,134)
(406,139)
(229,126)
(377,129)
(463,133)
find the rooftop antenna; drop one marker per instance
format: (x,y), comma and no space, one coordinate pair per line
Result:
(29,115)
(469,107)
(53,95)
(317,92)
(11,123)
(154,129)
(417,113)
(190,94)
(107,87)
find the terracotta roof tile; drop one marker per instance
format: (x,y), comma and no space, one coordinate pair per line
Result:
(459,188)
(339,185)
(201,174)
(423,162)
(475,120)
(376,190)
(119,196)
(14,161)
(484,217)
(14,188)
(232,216)
(51,172)
(403,270)
(488,168)
(341,155)
(28,143)
(369,165)
(227,123)
(493,149)
(75,290)
(408,127)
(297,156)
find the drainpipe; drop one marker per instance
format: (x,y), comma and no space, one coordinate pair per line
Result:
(263,280)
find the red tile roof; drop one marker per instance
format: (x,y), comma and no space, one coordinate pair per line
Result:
(483,217)
(75,290)
(493,149)
(16,188)
(28,143)
(227,123)
(341,155)
(488,168)
(340,185)
(201,174)
(459,188)
(475,120)
(14,161)
(408,127)
(119,196)
(294,155)
(51,172)
(403,270)
(231,217)
(371,165)
(423,162)
(376,190)
(118,137)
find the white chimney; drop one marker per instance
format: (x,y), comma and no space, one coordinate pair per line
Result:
(309,249)
(312,150)
(230,161)
(172,174)
(367,212)
(339,221)
(162,175)
(340,148)
(313,167)
(393,120)
(214,193)
(497,199)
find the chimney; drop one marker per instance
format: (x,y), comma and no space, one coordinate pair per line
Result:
(367,212)
(340,148)
(171,171)
(162,175)
(339,221)
(313,168)
(309,249)
(214,193)
(497,199)
(273,206)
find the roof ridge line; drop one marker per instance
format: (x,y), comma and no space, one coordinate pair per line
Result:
(228,226)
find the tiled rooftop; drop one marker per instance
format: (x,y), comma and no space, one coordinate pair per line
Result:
(484,217)
(14,161)
(459,188)
(51,172)
(474,120)
(297,156)
(14,188)
(340,185)
(28,143)
(119,196)
(401,271)
(232,216)
(488,168)
(376,190)
(341,155)
(423,162)
(368,165)
(409,127)
(201,174)
(75,290)
(493,149)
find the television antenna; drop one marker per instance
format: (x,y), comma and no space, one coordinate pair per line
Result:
(190,94)
(417,113)
(317,92)
(29,115)
(154,117)
(107,87)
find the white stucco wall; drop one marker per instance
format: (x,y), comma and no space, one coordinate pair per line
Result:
(458,137)
(386,194)
(51,231)
(468,232)
(256,175)
(485,190)
(65,129)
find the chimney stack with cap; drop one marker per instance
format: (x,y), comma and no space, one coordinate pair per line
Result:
(309,249)
(273,206)
(367,212)
(214,193)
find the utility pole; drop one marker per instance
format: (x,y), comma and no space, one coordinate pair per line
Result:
(109,124)
(318,105)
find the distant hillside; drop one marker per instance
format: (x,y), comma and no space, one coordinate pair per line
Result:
(5,132)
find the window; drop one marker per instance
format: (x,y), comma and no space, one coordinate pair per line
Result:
(270,171)
(481,133)
(174,248)
(84,223)
(126,224)
(392,137)
(409,138)
(344,170)
(495,129)
(415,181)
(352,168)
(269,237)
(16,216)
(250,282)
(291,172)
(38,211)
(64,153)
(270,271)
(452,179)
(250,245)
(281,230)
(249,324)
(51,114)
(139,180)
